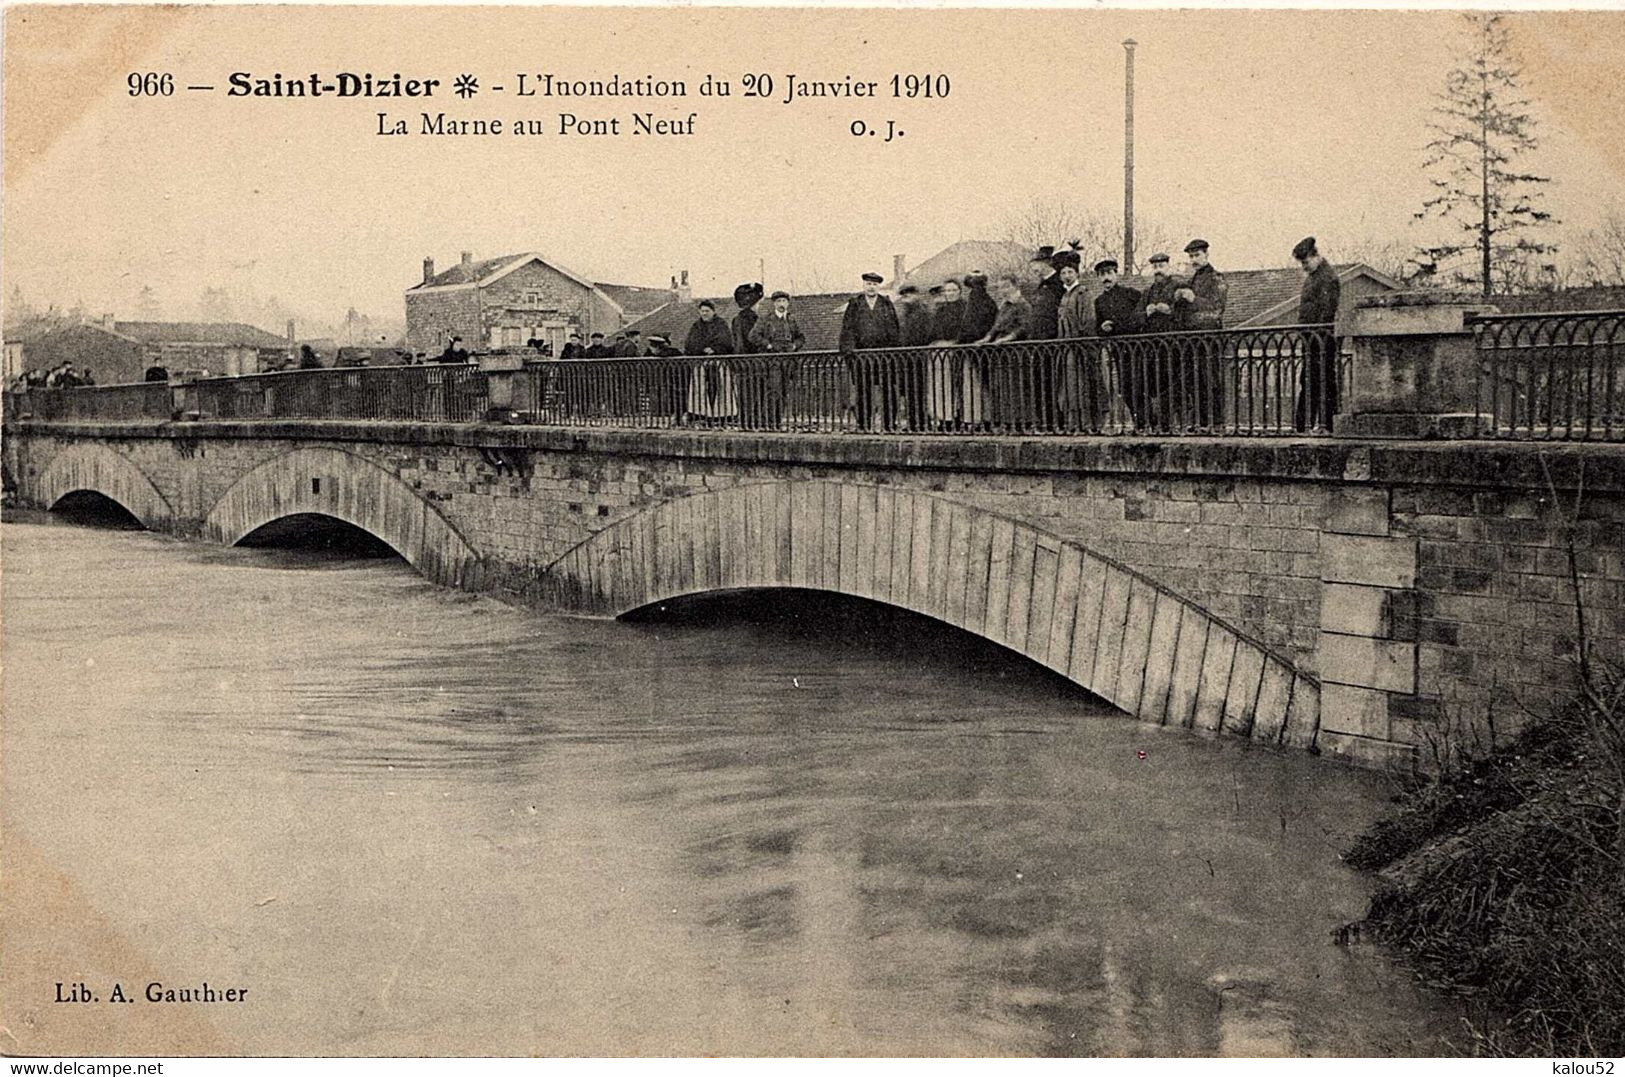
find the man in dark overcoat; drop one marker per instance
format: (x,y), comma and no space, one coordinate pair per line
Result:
(870,321)
(1044,324)
(914,320)
(1159,313)
(1201,303)
(1317,305)
(1117,313)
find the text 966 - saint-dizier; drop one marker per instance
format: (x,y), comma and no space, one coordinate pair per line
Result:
(153,991)
(342,84)
(567,124)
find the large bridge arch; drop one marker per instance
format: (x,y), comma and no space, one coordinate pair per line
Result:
(351,488)
(1107,628)
(93,466)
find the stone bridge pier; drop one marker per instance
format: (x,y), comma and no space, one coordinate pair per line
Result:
(1353,595)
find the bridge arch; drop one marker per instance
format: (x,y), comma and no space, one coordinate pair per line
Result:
(348,487)
(1111,630)
(88,465)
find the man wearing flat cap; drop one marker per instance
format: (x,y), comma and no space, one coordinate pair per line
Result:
(767,383)
(1317,306)
(1157,314)
(870,321)
(1201,302)
(1160,314)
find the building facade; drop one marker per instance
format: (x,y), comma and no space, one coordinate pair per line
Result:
(504,302)
(120,352)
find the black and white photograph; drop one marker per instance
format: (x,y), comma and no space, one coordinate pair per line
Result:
(809,531)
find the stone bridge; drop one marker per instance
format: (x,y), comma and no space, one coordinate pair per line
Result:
(1354,596)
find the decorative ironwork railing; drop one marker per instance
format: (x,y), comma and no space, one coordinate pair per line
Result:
(1551,376)
(1231,382)
(1270,381)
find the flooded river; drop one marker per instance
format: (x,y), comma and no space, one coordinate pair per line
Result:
(416,821)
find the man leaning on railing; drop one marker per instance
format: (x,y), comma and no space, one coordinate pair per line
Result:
(1201,303)
(870,321)
(1317,305)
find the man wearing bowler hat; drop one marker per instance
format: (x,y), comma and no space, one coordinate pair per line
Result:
(1201,303)
(1317,306)
(1117,313)
(870,321)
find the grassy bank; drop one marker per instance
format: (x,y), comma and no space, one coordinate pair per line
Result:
(1504,879)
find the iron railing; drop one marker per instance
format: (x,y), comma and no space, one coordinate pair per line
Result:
(450,393)
(1270,381)
(1281,380)
(140,400)
(1551,376)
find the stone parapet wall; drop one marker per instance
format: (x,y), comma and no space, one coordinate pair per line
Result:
(1415,580)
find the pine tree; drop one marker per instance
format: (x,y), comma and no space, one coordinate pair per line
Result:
(1482,133)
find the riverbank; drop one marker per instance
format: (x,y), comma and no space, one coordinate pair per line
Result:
(1504,880)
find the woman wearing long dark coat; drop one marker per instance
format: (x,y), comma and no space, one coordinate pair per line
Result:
(980,314)
(711,396)
(943,387)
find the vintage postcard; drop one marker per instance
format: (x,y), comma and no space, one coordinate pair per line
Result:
(788,531)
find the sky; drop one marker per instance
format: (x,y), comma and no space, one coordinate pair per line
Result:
(1253,129)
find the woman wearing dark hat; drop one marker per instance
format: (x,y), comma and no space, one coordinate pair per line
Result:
(711,396)
(746,296)
(980,309)
(980,314)
(944,387)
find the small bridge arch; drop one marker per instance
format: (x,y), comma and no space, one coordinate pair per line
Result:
(348,487)
(93,466)
(1107,628)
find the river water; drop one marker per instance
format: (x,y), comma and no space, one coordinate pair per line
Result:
(417,821)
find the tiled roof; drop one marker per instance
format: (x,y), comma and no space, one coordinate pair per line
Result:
(819,316)
(1597,297)
(25,332)
(1256,292)
(223,333)
(637,300)
(459,274)
(988,255)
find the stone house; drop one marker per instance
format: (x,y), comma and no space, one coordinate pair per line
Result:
(503,302)
(120,352)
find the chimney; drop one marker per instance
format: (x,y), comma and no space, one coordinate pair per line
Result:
(291,337)
(107,322)
(428,270)
(896,268)
(468,261)
(684,293)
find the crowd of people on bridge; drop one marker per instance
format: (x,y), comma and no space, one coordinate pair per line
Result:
(62,376)
(917,364)
(943,384)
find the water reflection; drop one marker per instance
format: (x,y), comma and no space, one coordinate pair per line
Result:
(776,824)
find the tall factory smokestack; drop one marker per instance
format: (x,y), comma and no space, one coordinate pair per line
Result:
(1128,155)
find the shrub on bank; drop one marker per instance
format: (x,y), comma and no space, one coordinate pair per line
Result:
(1504,879)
